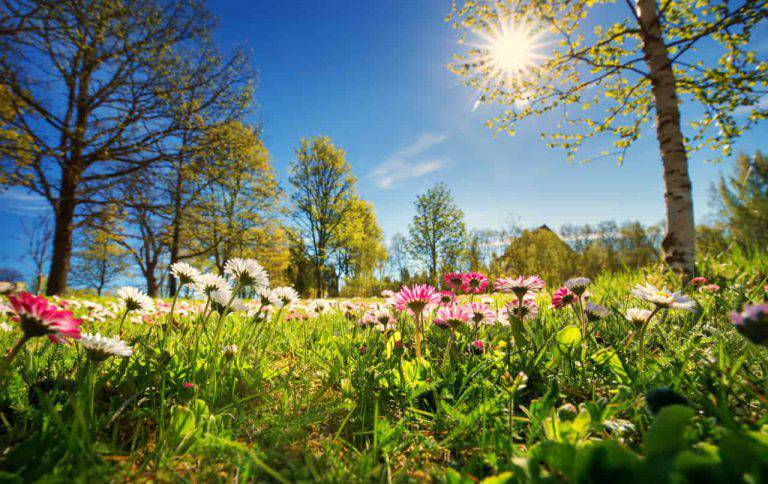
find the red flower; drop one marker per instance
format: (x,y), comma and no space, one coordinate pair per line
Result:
(37,317)
(563,297)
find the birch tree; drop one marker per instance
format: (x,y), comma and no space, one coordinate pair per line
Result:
(594,78)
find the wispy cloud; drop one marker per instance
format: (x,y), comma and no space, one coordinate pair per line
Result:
(19,200)
(746,110)
(409,162)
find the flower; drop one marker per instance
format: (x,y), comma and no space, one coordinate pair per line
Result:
(265,296)
(220,299)
(752,323)
(710,288)
(229,351)
(474,283)
(387,293)
(185,273)
(477,347)
(39,318)
(416,298)
(595,312)
(208,283)
(563,297)
(135,300)
(529,309)
(480,313)
(452,317)
(319,306)
(454,280)
(284,296)
(520,286)
(698,281)
(577,285)
(638,316)
(99,347)
(447,298)
(663,298)
(247,272)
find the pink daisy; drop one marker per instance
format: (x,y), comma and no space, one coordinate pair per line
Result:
(520,285)
(452,317)
(563,297)
(480,313)
(454,280)
(416,298)
(477,347)
(698,281)
(474,283)
(37,317)
(528,310)
(447,298)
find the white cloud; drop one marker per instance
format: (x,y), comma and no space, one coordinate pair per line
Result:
(16,200)
(408,163)
(746,110)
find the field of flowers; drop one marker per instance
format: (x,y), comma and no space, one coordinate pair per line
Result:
(503,380)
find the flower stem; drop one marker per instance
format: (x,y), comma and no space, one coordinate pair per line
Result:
(6,363)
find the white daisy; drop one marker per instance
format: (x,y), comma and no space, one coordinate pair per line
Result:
(577,285)
(284,296)
(229,351)
(135,300)
(596,312)
(663,298)
(208,283)
(185,273)
(100,347)
(637,316)
(247,272)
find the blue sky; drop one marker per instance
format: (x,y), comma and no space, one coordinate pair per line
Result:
(373,77)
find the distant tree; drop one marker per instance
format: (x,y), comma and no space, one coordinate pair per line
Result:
(239,198)
(360,250)
(745,200)
(541,252)
(101,258)
(92,107)
(38,237)
(437,232)
(398,257)
(323,196)
(611,79)
(8,274)
(711,239)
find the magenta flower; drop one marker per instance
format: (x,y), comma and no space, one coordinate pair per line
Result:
(563,297)
(447,298)
(39,318)
(480,313)
(520,286)
(452,317)
(710,288)
(474,283)
(752,323)
(477,347)
(454,280)
(698,281)
(416,298)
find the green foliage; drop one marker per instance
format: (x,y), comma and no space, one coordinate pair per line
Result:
(745,200)
(437,232)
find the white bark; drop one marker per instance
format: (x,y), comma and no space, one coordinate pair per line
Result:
(680,239)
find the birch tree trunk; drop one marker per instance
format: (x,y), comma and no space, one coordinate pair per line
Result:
(679,242)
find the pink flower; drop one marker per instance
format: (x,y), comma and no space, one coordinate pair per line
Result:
(520,286)
(447,298)
(710,288)
(529,309)
(477,347)
(454,280)
(480,313)
(698,281)
(39,318)
(188,385)
(563,297)
(474,283)
(452,317)
(416,298)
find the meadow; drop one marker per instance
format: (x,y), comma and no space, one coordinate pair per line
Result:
(516,381)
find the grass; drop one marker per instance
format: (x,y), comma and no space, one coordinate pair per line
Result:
(321,399)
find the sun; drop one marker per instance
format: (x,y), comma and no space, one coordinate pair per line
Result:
(507,49)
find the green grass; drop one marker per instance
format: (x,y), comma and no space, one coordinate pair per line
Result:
(301,402)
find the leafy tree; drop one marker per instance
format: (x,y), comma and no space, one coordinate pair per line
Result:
(361,247)
(541,252)
(92,107)
(323,196)
(611,79)
(101,258)
(239,198)
(399,257)
(437,232)
(745,200)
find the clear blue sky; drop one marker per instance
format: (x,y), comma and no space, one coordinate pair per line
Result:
(372,76)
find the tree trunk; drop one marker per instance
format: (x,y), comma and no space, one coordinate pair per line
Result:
(62,237)
(679,244)
(152,286)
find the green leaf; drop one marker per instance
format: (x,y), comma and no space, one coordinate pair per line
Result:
(666,437)
(568,337)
